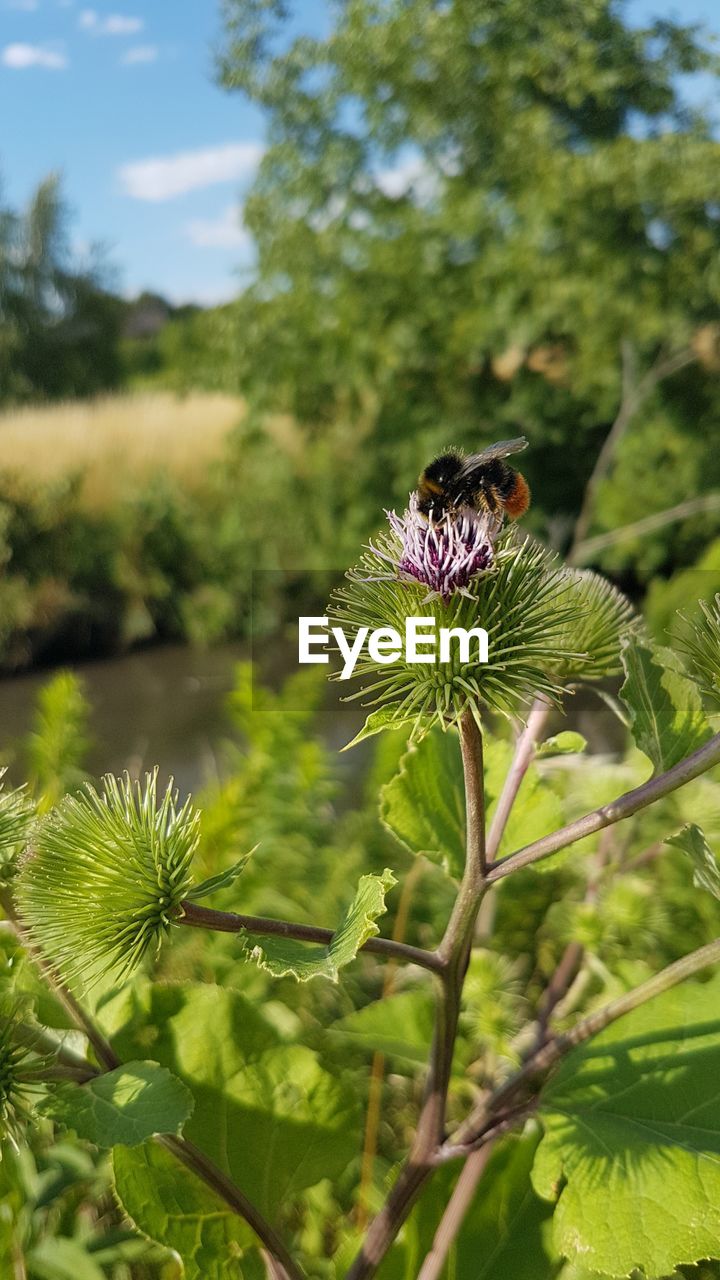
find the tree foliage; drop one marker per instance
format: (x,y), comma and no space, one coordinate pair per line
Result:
(59,324)
(465,213)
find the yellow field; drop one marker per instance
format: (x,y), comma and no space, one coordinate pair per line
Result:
(116,439)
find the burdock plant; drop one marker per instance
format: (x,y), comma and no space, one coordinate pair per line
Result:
(569,1092)
(106,874)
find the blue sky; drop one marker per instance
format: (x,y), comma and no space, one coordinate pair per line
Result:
(119,97)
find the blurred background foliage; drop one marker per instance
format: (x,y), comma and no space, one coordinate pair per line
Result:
(620,904)
(470,221)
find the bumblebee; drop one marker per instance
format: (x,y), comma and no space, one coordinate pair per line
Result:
(482,481)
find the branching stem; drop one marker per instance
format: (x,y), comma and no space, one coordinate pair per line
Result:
(479,1126)
(454,951)
(197,917)
(624,807)
(190,1155)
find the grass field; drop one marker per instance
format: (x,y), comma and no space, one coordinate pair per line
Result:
(116,440)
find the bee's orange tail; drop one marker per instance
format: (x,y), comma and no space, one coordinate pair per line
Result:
(518,500)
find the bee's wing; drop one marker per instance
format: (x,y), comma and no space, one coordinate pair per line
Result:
(502,449)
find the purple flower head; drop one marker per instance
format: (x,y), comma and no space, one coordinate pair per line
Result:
(444,555)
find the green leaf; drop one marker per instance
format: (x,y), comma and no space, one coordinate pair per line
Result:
(170,1204)
(60,1258)
(128,1105)
(537,809)
(383,718)
(667,719)
(631,1151)
(399,1026)
(221,881)
(287,956)
(265,1111)
(423,805)
(561,744)
(691,840)
(503,1232)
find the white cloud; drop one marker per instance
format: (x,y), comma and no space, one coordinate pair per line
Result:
(116,24)
(21,56)
(140,53)
(163,177)
(223,232)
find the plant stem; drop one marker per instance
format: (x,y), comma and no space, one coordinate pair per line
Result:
(196,1160)
(197,917)
(521,761)
(634,393)
(190,1155)
(591,547)
(474,1132)
(454,951)
(102,1048)
(46,1043)
(624,807)
(454,1215)
(377,1071)
(475,1165)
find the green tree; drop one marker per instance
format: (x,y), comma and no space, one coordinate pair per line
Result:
(59,325)
(481,213)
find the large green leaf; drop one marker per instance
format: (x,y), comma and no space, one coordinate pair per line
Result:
(691,840)
(265,1111)
(502,1236)
(667,719)
(424,806)
(631,1150)
(125,1106)
(400,1026)
(283,956)
(169,1204)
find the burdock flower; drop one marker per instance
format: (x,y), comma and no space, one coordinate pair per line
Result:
(443,555)
(544,624)
(106,876)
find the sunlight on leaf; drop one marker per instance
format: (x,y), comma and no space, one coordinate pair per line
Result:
(128,1105)
(287,956)
(631,1151)
(667,720)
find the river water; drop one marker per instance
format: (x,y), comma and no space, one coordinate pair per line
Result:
(164,706)
(168,706)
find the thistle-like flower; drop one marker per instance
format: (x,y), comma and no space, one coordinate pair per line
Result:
(443,555)
(545,624)
(20,1073)
(604,618)
(16,816)
(106,877)
(701,645)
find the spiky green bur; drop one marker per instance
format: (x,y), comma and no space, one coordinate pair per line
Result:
(532,608)
(701,645)
(19,1073)
(603,620)
(16,816)
(106,876)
